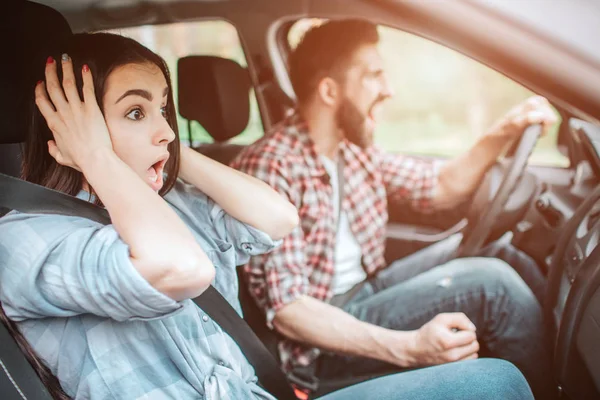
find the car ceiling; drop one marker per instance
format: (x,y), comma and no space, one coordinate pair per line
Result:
(548,20)
(76,5)
(496,33)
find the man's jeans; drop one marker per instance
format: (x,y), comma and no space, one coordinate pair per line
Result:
(488,379)
(413,290)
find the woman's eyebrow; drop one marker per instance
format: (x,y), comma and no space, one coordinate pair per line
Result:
(142,93)
(136,92)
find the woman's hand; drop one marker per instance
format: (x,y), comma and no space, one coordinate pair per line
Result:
(78,126)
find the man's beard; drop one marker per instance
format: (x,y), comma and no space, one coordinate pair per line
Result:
(353,123)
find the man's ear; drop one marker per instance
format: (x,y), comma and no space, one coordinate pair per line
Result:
(328,91)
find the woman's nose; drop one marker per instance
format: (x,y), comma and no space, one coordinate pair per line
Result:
(164,134)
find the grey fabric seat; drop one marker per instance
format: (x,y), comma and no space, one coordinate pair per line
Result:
(32,32)
(215,92)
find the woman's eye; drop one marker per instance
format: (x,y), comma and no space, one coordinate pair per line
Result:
(135,114)
(163,111)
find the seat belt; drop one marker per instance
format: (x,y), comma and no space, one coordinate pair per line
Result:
(18,380)
(26,197)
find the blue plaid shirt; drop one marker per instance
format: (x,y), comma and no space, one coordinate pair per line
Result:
(102,329)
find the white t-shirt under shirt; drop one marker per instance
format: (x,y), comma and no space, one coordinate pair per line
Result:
(348,267)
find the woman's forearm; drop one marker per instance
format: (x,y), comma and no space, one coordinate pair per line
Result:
(242,196)
(162,248)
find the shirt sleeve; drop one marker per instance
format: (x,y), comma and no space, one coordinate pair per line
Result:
(278,278)
(201,211)
(247,240)
(56,266)
(409,179)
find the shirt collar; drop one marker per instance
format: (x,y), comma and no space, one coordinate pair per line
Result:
(86,196)
(297,127)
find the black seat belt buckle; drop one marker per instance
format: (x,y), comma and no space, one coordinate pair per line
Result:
(304,381)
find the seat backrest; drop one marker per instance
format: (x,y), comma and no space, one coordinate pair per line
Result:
(32,32)
(10,159)
(215,92)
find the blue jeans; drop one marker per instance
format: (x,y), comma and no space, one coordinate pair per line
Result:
(488,378)
(411,291)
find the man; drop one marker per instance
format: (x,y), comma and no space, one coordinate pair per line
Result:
(327,290)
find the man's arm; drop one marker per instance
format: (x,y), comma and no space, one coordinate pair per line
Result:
(460,176)
(322,325)
(430,185)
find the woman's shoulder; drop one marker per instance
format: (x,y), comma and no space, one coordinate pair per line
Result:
(183,191)
(189,201)
(14,218)
(19,229)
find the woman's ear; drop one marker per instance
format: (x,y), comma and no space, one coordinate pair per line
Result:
(328,91)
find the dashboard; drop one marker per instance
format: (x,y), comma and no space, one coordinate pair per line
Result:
(585,226)
(573,304)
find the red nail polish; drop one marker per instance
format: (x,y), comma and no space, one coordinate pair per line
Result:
(85,68)
(50,60)
(38,82)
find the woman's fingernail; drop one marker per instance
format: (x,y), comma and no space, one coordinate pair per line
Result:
(38,82)
(65,57)
(50,60)
(85,68)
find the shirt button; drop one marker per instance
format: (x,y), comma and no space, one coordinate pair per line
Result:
(205,318)
(247,246)
(221,363)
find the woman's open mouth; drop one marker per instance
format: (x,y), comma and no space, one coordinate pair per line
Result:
(155,173)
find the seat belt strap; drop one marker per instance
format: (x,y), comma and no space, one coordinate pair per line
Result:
(26,197)
(267,370)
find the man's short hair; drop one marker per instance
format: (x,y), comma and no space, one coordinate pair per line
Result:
(326,50)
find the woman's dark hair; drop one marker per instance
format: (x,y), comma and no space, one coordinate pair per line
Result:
(103,53)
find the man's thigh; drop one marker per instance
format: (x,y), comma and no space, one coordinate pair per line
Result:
(458,286)
(465,285)
(445,250)
(492,295)
(417,263)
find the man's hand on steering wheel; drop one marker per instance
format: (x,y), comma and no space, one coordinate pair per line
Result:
(525,123)
(533,111)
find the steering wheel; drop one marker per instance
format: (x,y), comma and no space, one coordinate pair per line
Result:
(484,213)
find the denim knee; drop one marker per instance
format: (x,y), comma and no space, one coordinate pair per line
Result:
(498,283)
(496,275)
(492,379)
(508,280)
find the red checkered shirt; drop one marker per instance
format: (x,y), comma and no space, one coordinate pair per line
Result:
(287,160)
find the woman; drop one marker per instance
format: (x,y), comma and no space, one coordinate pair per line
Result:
(106,308)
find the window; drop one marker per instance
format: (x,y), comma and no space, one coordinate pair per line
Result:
(443,100)
(216,38)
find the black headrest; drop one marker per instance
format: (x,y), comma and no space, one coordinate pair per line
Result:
(33,32)
(215,92)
